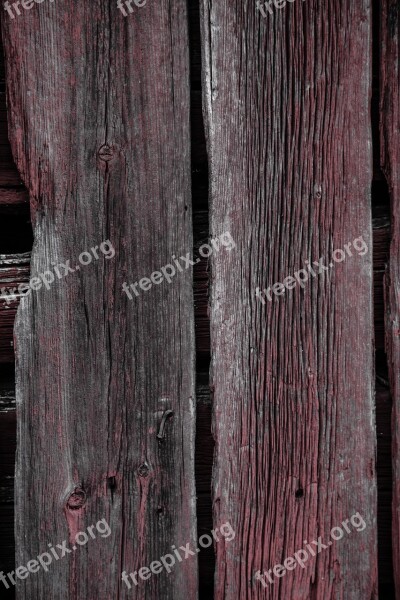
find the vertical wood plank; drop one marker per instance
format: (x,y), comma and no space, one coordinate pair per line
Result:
(7,465)
(99,107)
(390,161)
(288,125)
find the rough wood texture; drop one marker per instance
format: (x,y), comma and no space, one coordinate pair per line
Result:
(288,127)
(390,160)
(9,176)
(384,470)
(14,270)
(204,457)
(7,465)
(100,134)
(12,198)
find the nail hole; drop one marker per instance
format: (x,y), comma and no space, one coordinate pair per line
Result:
(299,493)
(112,484)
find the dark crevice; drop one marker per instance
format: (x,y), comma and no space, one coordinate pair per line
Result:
(201,232)
(381,231)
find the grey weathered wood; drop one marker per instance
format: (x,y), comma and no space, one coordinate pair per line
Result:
(99,107)
(288,126)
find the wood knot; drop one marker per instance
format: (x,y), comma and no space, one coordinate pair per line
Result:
(317,191)
(77,499)
(143,470)
(106,153)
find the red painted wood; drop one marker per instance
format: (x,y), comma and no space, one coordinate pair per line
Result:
(287,103)
(96,371)
(390,160)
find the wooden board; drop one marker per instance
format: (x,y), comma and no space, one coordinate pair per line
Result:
(14,271)
(100,134)
(288,127)
(390,160)
(7,466)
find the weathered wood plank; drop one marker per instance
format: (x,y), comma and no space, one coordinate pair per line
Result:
(390,161)
(14,270)
(204,452)
(288,127)
(7,465)
(12,198)
(100,133)
(384,470)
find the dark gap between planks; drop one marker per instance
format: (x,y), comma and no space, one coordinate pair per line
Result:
(381,229)
(204,441)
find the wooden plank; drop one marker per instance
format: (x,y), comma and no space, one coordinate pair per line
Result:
(7,439)
(384,470)
(9,176)
(13,198)
(14,270)
(100,133)
(7,465)
(288,128)
(390,161)
(204,452)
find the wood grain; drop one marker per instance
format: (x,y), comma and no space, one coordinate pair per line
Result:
(14,270)
(390,161)
(12,199)
(99,108)
(288,126)
(7,466)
